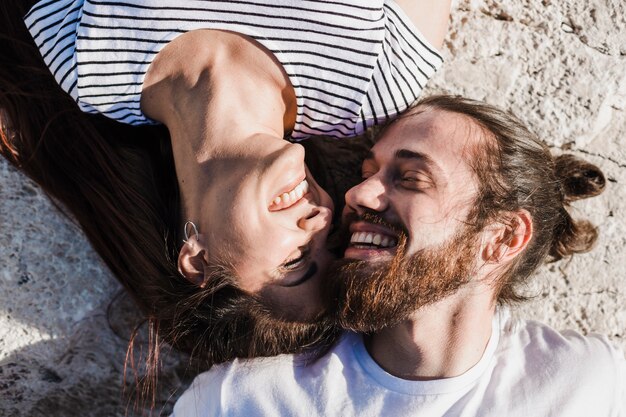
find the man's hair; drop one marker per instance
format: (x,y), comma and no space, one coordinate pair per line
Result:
(516,171)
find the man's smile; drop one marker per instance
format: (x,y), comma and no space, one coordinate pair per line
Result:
(369,241)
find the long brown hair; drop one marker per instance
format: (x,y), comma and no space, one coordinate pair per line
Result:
(118,182)
(516,170)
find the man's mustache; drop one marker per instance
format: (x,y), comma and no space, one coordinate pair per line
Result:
(373,218)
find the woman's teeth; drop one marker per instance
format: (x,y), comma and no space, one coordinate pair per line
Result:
(289,199)
(372,239)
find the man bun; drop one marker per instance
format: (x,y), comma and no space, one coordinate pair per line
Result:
(578,179)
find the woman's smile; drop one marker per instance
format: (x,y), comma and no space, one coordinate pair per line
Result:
(290,197)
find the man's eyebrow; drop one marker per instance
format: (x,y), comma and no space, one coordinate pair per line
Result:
(408,154)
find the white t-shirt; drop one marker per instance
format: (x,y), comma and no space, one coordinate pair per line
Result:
(527,370)
(352,63)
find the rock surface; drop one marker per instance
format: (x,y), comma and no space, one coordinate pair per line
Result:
(560,66)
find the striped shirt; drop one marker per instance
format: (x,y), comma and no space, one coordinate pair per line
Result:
(353,64)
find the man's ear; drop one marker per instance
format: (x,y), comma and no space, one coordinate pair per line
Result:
(192,261)
(507,238)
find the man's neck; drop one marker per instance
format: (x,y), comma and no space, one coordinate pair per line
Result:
(442,340)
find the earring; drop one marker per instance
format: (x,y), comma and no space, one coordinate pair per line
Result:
(186,228)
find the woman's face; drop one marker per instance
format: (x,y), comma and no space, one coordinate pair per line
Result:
(268,217)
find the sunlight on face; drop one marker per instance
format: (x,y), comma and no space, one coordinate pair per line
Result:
(270,219)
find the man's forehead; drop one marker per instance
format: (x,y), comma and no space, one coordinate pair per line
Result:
(431,130)
(428,121)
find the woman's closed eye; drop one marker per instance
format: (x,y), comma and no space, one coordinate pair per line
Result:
(298,270)
(295,264)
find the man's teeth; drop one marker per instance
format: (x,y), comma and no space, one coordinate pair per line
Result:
(292,196)
(373,239)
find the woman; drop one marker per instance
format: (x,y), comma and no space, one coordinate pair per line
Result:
(229,80)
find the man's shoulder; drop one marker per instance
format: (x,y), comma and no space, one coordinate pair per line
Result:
(541,341)
(244,386)
(213,391)
(562,367)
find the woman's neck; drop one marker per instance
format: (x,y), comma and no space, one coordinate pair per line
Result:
(214,90)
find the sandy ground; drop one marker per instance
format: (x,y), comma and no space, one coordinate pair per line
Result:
(559,65)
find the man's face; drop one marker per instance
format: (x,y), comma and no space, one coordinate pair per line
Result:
(419,180)
(410,242)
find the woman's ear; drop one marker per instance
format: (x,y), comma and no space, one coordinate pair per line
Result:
(507,238)
(192,261)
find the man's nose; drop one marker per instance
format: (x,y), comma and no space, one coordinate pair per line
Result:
(317,219)
(368,195)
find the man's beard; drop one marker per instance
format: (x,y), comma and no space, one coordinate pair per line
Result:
(372,295)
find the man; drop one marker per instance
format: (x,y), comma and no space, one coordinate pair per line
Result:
(459,204)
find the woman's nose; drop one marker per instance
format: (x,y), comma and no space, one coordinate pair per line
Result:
(317,219)
(292,157)
(367,196)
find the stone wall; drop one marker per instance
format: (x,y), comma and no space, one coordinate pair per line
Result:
(559,65)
